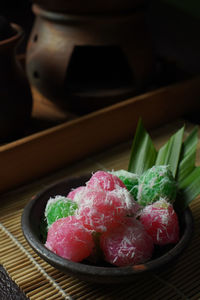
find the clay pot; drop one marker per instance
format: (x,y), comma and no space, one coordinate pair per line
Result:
(15,94)
(86,62)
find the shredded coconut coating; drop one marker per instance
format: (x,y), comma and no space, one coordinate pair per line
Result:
(73,192)
(104,180)
(161,222)
(104,202)
(155,183)
(101,210)
(59,207)
(128,244)
(130,180)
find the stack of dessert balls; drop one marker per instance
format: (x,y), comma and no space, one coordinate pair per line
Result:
(119,214)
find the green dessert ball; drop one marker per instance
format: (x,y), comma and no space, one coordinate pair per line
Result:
(130,180)
(157,182)
(59,207)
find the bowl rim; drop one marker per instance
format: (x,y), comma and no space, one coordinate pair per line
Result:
(66,265)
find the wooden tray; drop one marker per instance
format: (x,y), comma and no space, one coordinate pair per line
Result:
(38,154)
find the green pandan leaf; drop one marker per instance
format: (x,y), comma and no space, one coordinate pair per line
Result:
(188,155)
(143,152)
(179,155)
(169,153)
(188,175)
(189,188)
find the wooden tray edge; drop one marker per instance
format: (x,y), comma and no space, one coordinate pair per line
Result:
(36,155)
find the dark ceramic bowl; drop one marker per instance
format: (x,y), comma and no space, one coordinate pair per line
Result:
(31,222)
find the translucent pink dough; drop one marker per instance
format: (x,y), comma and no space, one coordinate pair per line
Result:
(68,238)
(105,181)
(128,244)
(73,192)
(161,222)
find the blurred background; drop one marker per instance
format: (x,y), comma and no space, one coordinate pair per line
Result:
(174,25)
(162,46)
(19,12)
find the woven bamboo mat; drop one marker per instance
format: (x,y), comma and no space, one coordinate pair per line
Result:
(39,280)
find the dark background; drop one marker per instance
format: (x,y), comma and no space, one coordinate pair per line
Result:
(19,12)
(174,26)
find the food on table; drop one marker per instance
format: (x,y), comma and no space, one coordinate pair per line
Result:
(105,208)
(130,180)
(68,238)
(128,244)
(161,222)
(59,207)
(123,214)
(156,182)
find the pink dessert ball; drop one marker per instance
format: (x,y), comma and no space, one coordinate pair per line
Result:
(104,180)
(101,210)
(68,238)
(161,222)
(73,192)
(128,244)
